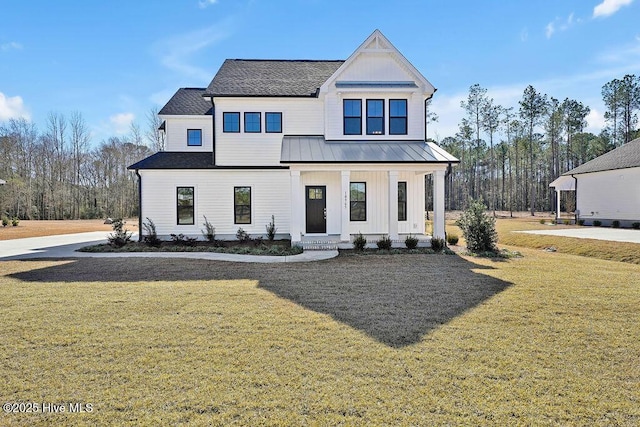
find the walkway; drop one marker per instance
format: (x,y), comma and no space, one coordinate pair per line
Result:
(64,246)
(598,233)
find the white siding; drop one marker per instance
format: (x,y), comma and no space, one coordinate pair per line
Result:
(610,195)
(375,67)
(270,195)
(176,132)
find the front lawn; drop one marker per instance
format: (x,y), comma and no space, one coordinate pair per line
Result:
(546,339)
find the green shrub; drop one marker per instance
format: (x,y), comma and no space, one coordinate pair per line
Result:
(411,242)
(452,239)
(615,223)
(209,231)
(597,223)
(15,221)
(542,221)
(359,242)
(120,236)
(271,229)
(581,222)
(150,236)
(478,228)
(566,222)
(182,240)
(5,221)
(242,235)
(438,244)
(384,243)
(636,225)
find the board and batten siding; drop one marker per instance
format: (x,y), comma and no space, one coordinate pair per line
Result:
(214,192)
(609,195)
(300,116)
(176,132)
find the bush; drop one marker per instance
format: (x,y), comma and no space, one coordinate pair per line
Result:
(542,221)
(411,242)
(438,244)
(597,223)
(15,221)
(182,240)
(210,231)
(615,223)
(150,236)
(359,242)
(5,221)
(120,235)
(452,239)
(636,225)
(581,222)
(384,243)
(242,235)
(478,228)
(271,229)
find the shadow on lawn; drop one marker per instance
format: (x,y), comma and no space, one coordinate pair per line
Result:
(394,299)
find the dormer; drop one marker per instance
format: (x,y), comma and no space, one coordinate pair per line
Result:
(187,121)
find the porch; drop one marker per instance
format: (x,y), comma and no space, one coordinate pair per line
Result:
(333,242)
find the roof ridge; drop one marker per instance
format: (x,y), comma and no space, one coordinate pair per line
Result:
(283,60)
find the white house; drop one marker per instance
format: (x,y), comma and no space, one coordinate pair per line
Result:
(607,187)
(329,148)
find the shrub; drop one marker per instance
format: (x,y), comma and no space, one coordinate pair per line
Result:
(359,242)
(478,228)
(182,240)
(452,239)
(242,235)
(271,229)
(581,222)
(542,221)
(5,221)
(615,223)
(597,223)
(150,236)
(210,231)
(566,222)
(120,236)
(411,242)
(384,243)
(636,225)
(438,244)
(15,221)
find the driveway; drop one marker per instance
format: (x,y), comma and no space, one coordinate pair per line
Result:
(598,233)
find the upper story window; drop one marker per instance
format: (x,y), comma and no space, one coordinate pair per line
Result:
(397,117)
(252,123)
(185,206)
(352,116)
(231,122)
(273,122)
(194,137)
(375,117)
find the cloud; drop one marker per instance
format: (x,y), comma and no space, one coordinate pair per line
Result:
(549,30)
(10,46)
(595,121)
(206,3)
(524,35)
(12,108)
(561,25)
(621,54)
(609,7)
(121,122)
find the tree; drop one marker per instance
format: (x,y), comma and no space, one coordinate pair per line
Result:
(153,135)
(478,228)
(473,106)
(574,116)
(491,121)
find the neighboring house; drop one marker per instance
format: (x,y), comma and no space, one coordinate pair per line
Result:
(329,148)
(607,187)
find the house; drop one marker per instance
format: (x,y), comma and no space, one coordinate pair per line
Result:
(607,187)
(329,148)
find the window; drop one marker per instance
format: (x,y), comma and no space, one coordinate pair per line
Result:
(252,123)
(352,116)
(397,117)
(194,137)
(375,117)
(273,122)
(402,201)
(242,205)
(186,214)
(358,191)
(231,122)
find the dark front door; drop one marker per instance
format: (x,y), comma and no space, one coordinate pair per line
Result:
(316,207)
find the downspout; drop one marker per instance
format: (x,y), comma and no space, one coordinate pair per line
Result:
(577,213)
(139,205)
(213,121)
(426,102)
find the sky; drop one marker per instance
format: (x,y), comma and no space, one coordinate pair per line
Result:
(113,61)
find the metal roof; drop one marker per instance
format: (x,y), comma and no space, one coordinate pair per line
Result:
(187,101)
(315,149)
(623,157)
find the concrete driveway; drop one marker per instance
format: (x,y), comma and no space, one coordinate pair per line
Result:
(598,233)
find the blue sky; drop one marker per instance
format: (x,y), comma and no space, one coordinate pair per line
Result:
(114,60)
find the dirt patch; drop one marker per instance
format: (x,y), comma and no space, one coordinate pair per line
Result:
(54,228)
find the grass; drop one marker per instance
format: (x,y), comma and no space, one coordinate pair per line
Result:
(398,340)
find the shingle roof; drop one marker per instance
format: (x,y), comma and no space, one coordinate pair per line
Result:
(314,149)
(254,77)
(176,160)
(187,101)
(625,156)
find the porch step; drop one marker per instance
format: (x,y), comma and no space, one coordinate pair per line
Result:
(319,245)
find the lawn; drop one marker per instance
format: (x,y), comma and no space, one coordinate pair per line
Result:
(546,339)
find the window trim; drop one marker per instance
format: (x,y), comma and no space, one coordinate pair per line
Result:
(402,202)
(259,122)
(345,117)
(351,202)
(376,117)
(235,205)
(189,139)
(266,125)
(193,205)
(405,117)
(229,113)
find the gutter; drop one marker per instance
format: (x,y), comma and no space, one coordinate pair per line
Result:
(577,215)
(139,205)
(213,123)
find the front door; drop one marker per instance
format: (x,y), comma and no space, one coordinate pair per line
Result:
(316,207)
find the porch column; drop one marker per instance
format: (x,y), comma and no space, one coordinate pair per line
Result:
(438,204)
(393,205)
(296,207)
(344,206)
(557,205)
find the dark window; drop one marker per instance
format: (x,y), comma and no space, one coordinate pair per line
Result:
(273,122)
(358,200)
(397,117)
(186,214)
(194,137)
(402,201)
(242,205)
(375,117)
(231,122)
(352,116)
(252,123)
